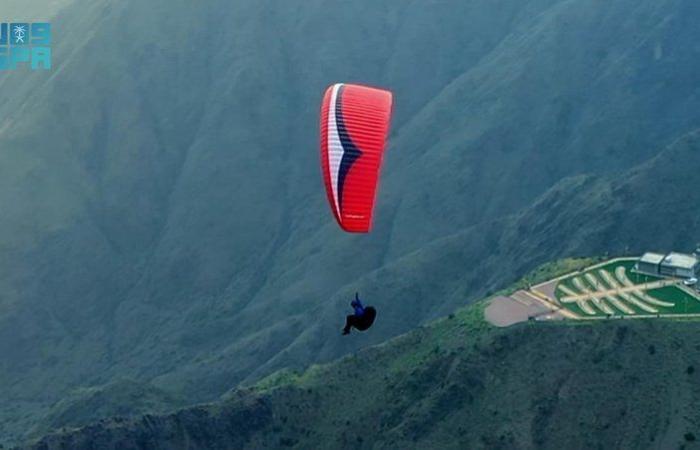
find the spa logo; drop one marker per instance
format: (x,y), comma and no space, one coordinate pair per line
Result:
(25,45)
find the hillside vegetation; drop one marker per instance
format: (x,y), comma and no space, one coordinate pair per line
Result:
(456,383)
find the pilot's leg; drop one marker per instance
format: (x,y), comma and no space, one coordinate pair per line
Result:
(349,323)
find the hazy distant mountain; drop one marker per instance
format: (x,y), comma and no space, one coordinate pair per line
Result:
(163,217)
(122,398)
(32,10)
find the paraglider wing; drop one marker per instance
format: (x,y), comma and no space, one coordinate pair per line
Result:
(354,126)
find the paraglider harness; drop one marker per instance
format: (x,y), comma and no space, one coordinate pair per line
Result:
(362,319)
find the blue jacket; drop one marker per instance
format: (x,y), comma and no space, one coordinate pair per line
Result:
(357,306)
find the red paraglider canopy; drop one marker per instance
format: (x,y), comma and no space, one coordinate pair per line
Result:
(354,126)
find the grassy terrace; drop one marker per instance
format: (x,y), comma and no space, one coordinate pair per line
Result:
(609,290)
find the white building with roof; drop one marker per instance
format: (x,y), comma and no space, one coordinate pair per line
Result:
(673,264)
(649,263)
(679,265)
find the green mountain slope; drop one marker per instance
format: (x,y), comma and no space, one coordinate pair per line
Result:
(457,383)
(163,217)
(541,107)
